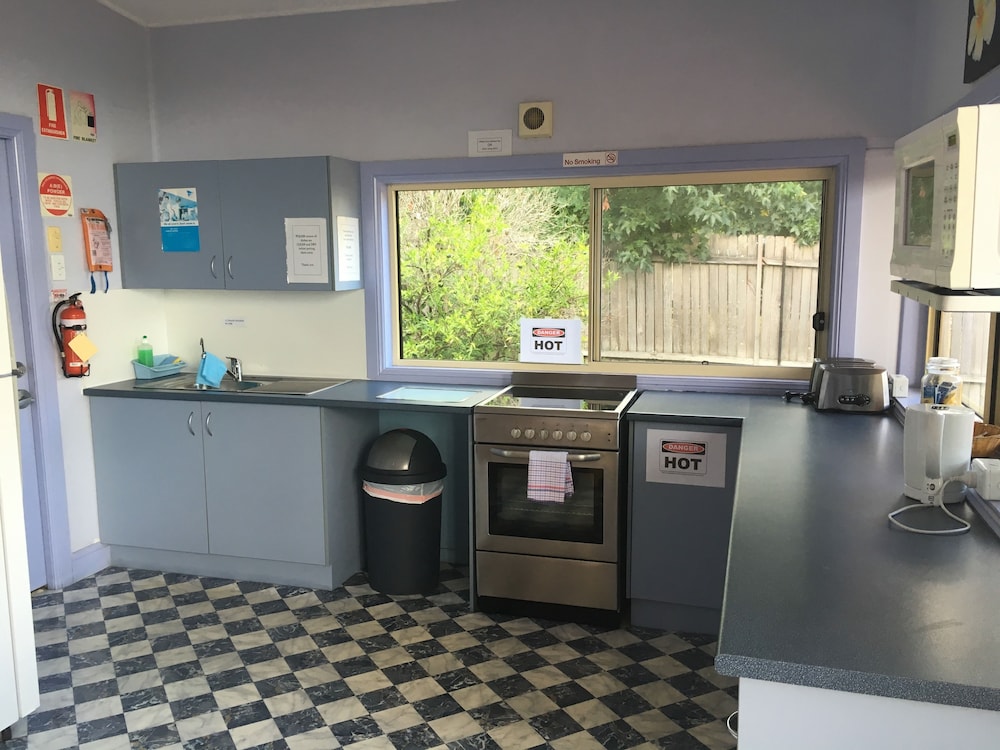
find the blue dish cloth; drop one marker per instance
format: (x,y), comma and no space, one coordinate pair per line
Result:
(210,371)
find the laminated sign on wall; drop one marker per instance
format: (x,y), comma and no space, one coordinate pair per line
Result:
(683,457)
(179,220)
(551,341)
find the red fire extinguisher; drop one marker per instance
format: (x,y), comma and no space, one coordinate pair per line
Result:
(69,321)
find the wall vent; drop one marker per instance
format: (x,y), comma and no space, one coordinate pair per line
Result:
(534,120)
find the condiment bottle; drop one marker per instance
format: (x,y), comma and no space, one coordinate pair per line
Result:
(942,383)
(145,352)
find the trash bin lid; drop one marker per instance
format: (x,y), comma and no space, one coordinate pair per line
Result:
(403,456)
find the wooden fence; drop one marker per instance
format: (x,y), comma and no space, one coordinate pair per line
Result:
(751,303)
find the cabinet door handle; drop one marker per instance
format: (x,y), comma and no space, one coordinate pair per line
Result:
(211,267)
(191,423)
(208,424)
(229,267)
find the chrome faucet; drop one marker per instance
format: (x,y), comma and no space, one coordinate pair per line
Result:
(235,369)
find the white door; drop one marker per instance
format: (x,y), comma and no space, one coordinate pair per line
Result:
(13,274)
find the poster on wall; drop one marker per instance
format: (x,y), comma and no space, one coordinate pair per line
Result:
(982,45)
(83,116)
(552,341)
(55,194)
(51,111)
(179,220)
(686,457)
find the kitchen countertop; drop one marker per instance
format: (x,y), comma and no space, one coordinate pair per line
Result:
(359,394)
(820,591)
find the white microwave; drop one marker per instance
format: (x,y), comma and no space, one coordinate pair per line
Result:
(947,224)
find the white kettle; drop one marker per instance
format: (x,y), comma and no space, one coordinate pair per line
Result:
(937,446)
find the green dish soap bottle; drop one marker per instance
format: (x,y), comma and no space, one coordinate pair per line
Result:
(145,352)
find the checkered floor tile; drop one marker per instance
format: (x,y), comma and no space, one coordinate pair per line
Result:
(143,659)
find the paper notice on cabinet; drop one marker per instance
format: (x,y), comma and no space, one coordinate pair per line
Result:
(306,251)
(348,249)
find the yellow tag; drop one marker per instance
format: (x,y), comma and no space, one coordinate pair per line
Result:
(83,347)
(53,237)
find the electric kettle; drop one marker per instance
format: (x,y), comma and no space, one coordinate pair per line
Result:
(937,446)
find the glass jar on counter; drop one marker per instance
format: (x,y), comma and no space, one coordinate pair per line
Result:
(942,382)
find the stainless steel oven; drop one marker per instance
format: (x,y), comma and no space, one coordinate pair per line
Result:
(560,554)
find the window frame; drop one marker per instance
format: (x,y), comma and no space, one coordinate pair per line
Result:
(844,156)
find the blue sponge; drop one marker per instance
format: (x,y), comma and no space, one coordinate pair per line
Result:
(210,371)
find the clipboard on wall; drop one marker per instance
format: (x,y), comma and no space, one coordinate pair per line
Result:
(97,245)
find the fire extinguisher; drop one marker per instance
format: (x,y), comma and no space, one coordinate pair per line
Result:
(69,321)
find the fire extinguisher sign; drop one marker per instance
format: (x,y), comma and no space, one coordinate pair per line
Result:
(682,457)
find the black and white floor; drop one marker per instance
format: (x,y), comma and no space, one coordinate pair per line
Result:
(142,659)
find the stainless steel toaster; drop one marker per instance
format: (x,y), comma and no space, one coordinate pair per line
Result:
(853,388)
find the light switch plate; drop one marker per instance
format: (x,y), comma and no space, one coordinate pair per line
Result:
(57,263)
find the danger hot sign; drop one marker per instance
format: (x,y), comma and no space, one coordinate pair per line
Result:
(55,193)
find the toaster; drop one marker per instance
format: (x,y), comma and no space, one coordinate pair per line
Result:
(822,365)
(855,387)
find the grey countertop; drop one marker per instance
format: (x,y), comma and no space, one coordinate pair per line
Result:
(360,394)
(820,590)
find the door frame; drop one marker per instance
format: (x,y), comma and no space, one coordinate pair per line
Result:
(17,137)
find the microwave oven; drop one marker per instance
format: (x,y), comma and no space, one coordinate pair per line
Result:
(947,222)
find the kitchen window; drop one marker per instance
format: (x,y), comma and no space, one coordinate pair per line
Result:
(742,272)
(709,272)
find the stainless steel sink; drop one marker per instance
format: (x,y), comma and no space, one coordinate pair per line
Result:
(286,386)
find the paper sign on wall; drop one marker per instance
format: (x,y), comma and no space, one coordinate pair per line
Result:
(51,111)
(82,116)
(682,457)
(348,249)
(551,341)
(179,231)
(55,194)
(306,251)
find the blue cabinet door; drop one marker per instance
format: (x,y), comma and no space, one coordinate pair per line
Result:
(264,478)
(150,473)
(164,240)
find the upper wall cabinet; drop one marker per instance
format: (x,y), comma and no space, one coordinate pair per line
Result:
(268,224)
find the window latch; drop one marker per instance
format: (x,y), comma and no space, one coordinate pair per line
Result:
(819,321)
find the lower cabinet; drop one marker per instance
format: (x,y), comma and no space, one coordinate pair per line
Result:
(244,480)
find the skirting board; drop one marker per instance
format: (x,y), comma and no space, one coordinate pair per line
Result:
(89,560)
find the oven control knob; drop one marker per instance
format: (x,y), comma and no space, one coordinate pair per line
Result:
(571,435)
(529,433)
(543,434)
(515,433)
(585,437)
(557,434)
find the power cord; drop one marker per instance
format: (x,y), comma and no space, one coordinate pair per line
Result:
(936,487)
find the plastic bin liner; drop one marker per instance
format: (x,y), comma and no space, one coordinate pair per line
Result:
(413,494)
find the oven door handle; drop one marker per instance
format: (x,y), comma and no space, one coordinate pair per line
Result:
(571,457)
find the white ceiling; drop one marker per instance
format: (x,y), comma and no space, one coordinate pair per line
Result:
(153,13)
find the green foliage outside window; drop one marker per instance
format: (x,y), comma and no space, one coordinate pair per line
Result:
(473,262)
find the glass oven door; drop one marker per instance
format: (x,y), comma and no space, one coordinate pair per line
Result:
(584,526)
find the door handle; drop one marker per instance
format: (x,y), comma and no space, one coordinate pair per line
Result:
(191,423)
(571,457)
(229,267)
(18,371)
(24,398)
(211,268)
(208,424)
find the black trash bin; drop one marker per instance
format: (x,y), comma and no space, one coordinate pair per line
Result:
(403,483)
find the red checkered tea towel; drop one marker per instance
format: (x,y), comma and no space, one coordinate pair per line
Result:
(550,476)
